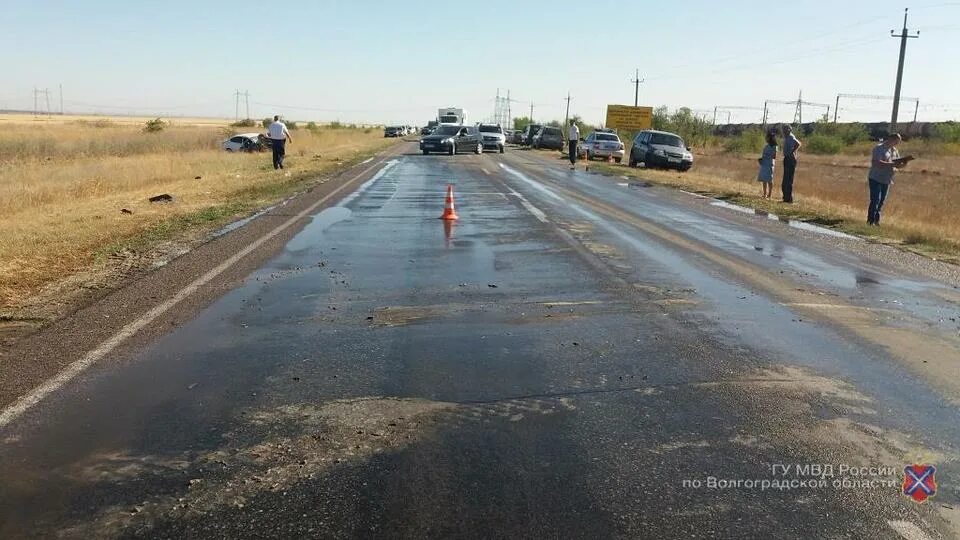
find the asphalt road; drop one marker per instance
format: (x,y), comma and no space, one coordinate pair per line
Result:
(579,356)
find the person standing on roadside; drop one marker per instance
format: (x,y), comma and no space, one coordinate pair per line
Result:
(767,161)
(884,163)
(790,147)
(573,140)
(279,135)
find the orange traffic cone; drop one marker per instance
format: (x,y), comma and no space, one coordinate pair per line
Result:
(449,212)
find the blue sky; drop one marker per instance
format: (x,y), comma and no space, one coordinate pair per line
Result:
(389,61)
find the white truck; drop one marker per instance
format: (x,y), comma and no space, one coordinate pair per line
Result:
(451,116)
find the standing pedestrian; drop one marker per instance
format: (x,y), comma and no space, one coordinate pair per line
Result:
(279,135)
(767,161)
(884,162)
(790,146)
(573,140)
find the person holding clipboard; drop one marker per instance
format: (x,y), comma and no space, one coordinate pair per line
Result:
(884,163)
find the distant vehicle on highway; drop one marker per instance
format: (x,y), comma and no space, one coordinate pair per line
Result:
(394,131)
(452,116)
(426,130)
(246,142)
(529,133)
(660,149)
(549,137)
(493,136)
(450,139)
(601,144)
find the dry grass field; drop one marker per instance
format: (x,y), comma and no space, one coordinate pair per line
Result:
(64,183)
(920,211)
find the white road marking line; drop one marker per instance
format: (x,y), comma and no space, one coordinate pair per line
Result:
(697,195)
(368,160)
(486,172)
(28,400)
(908,530)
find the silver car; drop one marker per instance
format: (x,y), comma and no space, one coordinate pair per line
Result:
(602,145)
(493,137)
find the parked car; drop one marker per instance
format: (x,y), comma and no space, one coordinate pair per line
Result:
(601,145)
(549,137)
(493,136)
(451,139)
(660,149)
(394,131)
(516,137)
(528,133)
(246,142)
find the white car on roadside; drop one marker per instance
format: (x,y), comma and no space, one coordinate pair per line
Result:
(244,142)
(601,144)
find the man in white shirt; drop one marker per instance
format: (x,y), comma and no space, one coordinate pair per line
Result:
(573,139)
(279,135)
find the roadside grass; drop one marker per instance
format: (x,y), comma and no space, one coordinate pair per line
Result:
(63,187)
(920,213)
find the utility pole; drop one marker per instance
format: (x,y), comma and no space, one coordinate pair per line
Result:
(35,112)
(236,105)
(765,103)
(798,115)
(509,113)
(904,36)
(636,88)
(61,100)
(715,116)
(566,118)
(531,112)
(836,109)
(246,96)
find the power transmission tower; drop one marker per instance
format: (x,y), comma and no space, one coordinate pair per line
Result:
(236,105)
(636,88)
(36,100)
(61,100)
(904,36)
(836,110)
(501,110)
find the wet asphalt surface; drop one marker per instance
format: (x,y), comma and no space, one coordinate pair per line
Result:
(538,369)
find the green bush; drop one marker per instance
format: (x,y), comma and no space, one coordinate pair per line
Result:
(823,144)
(948,132)
(154,126)
(751,141)
(312,126)
(336,125)
(291,125)
(246,122)
(266,122)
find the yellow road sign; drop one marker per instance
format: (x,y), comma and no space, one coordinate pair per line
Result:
(629,118)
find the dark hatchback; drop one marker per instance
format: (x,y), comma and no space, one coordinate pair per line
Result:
(452,139)
(549,137)
(660,149)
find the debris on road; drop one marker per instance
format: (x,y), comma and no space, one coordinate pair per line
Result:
(125,211)
(162,198)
